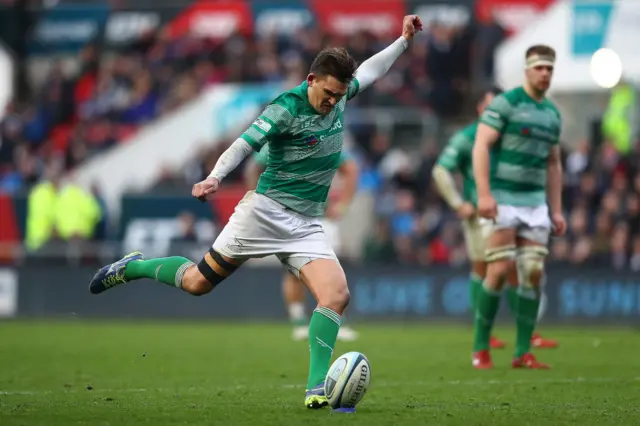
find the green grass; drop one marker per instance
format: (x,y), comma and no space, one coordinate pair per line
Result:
(135,373)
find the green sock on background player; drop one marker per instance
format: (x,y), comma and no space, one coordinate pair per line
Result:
(487,304)
(323,332)
(297,315)
(167,270)
(525,304)
(475,286)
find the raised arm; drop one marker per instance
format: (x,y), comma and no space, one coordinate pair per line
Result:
(377,66)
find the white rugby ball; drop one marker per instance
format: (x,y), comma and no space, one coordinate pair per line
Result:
(348,380)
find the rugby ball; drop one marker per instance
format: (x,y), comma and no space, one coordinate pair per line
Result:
(348,380)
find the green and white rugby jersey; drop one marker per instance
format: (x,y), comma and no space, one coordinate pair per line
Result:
(262,157)
(305,149)
(528,130)
(457,157)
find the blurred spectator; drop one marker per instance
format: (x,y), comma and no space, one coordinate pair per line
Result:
(489,35)
(59,211)
(379,247)
(186,226)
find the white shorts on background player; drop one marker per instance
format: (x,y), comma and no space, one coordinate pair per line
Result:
(260,227)
(531,223)
(473,239)
(332,231)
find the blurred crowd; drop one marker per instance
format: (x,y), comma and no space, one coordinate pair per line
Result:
(113,94)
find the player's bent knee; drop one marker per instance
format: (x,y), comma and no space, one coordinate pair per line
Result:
(195,283)
(211,271)
(337,300)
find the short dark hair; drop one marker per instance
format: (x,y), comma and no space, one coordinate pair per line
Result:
(493,90)
(336,62)
(542,50)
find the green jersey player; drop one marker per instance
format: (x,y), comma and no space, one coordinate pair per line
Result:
(518,174)
(456,158)
(340,196)
(303,128)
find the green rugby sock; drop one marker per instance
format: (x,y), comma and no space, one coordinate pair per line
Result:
(488,303)
(475,286)
(323,331)
(512,299)
(527,302)
(296,314)
(167,270)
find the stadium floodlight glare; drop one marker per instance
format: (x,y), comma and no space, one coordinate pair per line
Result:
(606,68)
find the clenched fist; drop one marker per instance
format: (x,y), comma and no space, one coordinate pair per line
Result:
(411,24)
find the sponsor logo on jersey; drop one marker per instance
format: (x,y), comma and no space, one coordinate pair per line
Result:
(311,140)
(337,125)
(491,114)
(263,125)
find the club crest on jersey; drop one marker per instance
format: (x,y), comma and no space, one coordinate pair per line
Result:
(311,140)
(526,131)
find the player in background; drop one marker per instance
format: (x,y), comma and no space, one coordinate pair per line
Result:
(518,174)
(293,290)
(283,216)
(456,158)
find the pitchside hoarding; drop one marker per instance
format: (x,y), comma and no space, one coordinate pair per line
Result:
(576,295)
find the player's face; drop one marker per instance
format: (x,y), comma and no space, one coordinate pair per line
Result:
(488,97)
(325,92)
(539,77)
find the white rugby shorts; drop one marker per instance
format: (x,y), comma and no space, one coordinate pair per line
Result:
(531,223)
(473,238)
(332,231)
(260,227)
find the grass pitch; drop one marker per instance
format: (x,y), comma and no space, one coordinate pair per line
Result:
(160,373)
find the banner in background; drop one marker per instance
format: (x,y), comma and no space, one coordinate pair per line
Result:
(589,26)
(513,15)
(67,28)
(127,26)
(457,13)
(341,17)
(152,223)
(575,295)
(213,19)
(8,293)
(281,17)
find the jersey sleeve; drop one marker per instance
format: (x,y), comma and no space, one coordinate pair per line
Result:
(354,86)
(273,122)
(262,157)
(497,114)
(459,146)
